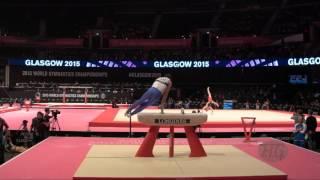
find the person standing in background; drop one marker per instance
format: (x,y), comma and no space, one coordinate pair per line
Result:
(3,129)
(311,123)
(35,127)
(299,132)
(27,104)
(297,115)
(266,105)
(258,104)
(247,105)
(44,127)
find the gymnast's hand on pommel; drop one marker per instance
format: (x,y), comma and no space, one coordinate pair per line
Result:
(127,114)
(161,106)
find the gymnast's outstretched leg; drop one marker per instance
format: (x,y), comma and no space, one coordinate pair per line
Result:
(143,100)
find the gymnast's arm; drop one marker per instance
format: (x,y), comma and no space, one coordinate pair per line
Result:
(165,95)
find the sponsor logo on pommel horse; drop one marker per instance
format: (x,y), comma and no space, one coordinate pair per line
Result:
(172,121)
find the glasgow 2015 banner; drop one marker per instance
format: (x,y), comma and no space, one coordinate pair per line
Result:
(168,64)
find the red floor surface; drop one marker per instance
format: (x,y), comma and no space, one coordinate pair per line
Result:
(102,120)
(228,124)
(105,117)
(69,119)
(59,157)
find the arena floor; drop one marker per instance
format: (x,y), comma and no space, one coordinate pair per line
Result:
(103,118)
(218,120)
(60,157)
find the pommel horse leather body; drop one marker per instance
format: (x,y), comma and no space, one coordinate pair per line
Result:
(185,120)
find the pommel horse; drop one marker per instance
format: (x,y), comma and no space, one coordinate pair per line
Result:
(172,120)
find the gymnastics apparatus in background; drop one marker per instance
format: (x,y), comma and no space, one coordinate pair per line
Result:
(188,121)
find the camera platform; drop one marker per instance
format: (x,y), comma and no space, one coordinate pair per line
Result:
(55,124)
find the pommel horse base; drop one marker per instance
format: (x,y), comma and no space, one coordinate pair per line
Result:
(172,120)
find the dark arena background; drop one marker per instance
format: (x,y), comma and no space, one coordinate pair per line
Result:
(87,61)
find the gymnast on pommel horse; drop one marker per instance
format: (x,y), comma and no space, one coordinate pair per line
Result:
(161,87)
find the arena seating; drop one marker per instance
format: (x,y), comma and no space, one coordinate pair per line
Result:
(279,96)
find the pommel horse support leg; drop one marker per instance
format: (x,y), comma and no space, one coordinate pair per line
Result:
(171,143)
(195,145)
(186,120)
(146,148)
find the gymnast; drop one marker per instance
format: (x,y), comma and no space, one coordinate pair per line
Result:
(160,87)
(210,102)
